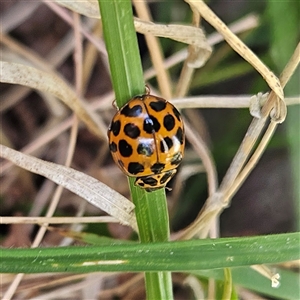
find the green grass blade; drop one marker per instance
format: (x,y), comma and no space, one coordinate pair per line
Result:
(155,257)
(151,211)
(122,48)
(152,218)
(127,80)
(250,279)
(227,289)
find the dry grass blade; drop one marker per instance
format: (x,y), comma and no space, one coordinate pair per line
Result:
(182,33)
(47,82)
(197,57)
(56,220)
(89,8)
(48,63)
(81,184)
(233,101)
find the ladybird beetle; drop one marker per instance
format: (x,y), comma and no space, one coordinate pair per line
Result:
(146,140)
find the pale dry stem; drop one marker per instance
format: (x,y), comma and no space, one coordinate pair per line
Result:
(155,52)
(98,43)
(57,220)
(200,148)
(187,71)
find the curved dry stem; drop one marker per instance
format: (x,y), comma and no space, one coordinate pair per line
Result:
(78,55)
(206,157)
(197,57)
(99,44)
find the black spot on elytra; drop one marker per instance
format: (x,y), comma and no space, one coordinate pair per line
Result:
(151,125)
(179,135)
(166,145)
(148,125)
(113,147)
(145,149)
(157,168)
(176,159)
(176,113)
(149,180)
(166,177)
(125,149)
(135,111)
(135,168)
(115,127)
(132,130)
(169,122)
(156,124)
(158,105)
